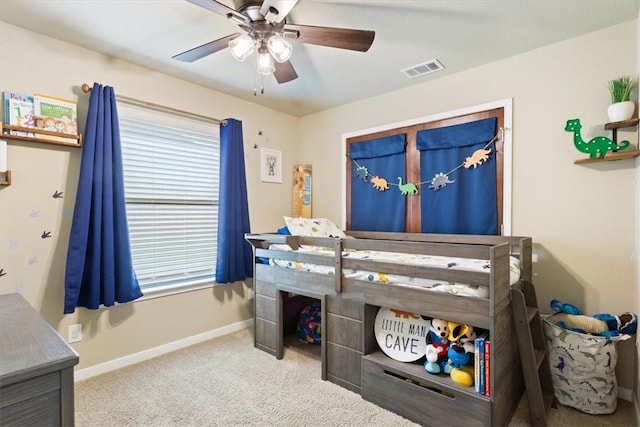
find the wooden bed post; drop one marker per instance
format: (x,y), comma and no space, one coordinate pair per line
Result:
(337,248)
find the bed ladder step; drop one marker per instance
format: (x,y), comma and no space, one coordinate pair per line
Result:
(533,353)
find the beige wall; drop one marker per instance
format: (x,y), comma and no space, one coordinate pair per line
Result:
(580,217)
(45,65)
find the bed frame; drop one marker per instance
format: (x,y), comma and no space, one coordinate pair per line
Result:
(350,356)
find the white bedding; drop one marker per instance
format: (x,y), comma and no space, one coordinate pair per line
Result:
(465,264)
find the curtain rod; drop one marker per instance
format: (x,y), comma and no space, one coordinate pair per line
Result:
(137,102)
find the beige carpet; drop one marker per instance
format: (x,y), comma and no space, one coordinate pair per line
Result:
(226,382)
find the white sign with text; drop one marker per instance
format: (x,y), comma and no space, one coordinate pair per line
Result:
(401,335)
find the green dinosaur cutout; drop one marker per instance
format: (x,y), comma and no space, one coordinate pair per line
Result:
(407,189)
(596,147)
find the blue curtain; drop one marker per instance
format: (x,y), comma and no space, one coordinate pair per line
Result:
(235,257)
(470,204)
(99,268)
(373,210)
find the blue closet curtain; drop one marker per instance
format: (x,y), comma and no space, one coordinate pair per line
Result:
(235,257)
(99,268)
(470,205)
(373,210)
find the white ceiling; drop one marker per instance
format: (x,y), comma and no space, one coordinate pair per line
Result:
(460,34)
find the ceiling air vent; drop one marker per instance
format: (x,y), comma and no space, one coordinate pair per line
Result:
(424,68)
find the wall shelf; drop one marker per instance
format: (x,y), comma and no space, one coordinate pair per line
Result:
(618,155)
(41,135)
(623,124)
(5,178)
(615,155)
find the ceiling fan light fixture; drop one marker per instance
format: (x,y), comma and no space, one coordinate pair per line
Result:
(242,46)
(279,48)
(264,62)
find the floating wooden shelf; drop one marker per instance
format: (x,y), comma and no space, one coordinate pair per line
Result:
(43,136)
(618,155)
(5,178)
(623,124)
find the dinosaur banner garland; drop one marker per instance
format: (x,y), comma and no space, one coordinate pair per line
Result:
(440,180)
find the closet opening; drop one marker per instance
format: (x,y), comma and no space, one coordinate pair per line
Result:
(301,321)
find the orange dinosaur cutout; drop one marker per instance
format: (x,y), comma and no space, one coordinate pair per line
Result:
(379,184)
(477,158)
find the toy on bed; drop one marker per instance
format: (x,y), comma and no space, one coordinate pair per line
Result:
(460,353)
(568,316)
(437,346)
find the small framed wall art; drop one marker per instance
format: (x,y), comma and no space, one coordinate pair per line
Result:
(270,165)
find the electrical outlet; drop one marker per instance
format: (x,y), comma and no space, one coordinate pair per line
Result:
(75,333)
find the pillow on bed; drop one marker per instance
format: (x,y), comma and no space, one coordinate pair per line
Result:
(313,227)
(284,231)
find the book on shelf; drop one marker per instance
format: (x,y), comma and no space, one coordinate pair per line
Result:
(487,367)
(476,365)
(18,111)
(479,359)
(55,115)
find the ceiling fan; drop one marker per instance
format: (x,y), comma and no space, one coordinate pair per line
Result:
(268,33)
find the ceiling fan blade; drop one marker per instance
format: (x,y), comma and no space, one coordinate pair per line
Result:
(343,38)
(284,72)
(281,7)
(217,7)
(205,49)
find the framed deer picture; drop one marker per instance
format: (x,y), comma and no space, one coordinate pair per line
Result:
(270,165)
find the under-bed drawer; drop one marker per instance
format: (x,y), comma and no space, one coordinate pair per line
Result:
(266,335)
(344,366)
(266,308)
(345,307)
(344,331)
(406,389)
(265,288)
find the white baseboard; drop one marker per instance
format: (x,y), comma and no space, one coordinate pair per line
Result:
(121,362)
(625,394)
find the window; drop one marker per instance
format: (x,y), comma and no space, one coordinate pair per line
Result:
(171,173)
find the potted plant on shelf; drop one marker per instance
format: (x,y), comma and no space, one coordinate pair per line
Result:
(621,107)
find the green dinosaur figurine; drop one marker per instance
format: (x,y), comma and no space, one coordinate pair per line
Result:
(596,147)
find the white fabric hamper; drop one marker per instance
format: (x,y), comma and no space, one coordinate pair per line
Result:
(583,368)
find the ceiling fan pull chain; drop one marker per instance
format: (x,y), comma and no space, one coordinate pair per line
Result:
(255,85)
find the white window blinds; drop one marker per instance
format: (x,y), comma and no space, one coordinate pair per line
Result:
(171,170)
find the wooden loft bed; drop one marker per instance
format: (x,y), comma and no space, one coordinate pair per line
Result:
(350,355)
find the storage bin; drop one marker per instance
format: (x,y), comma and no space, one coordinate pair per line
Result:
(406,389)
(583,368)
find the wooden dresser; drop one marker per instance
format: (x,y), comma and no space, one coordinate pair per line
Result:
(36,368)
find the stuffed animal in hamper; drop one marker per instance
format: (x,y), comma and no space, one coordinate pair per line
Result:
(570,317)
(626,323)
(437,346)
(460,359)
